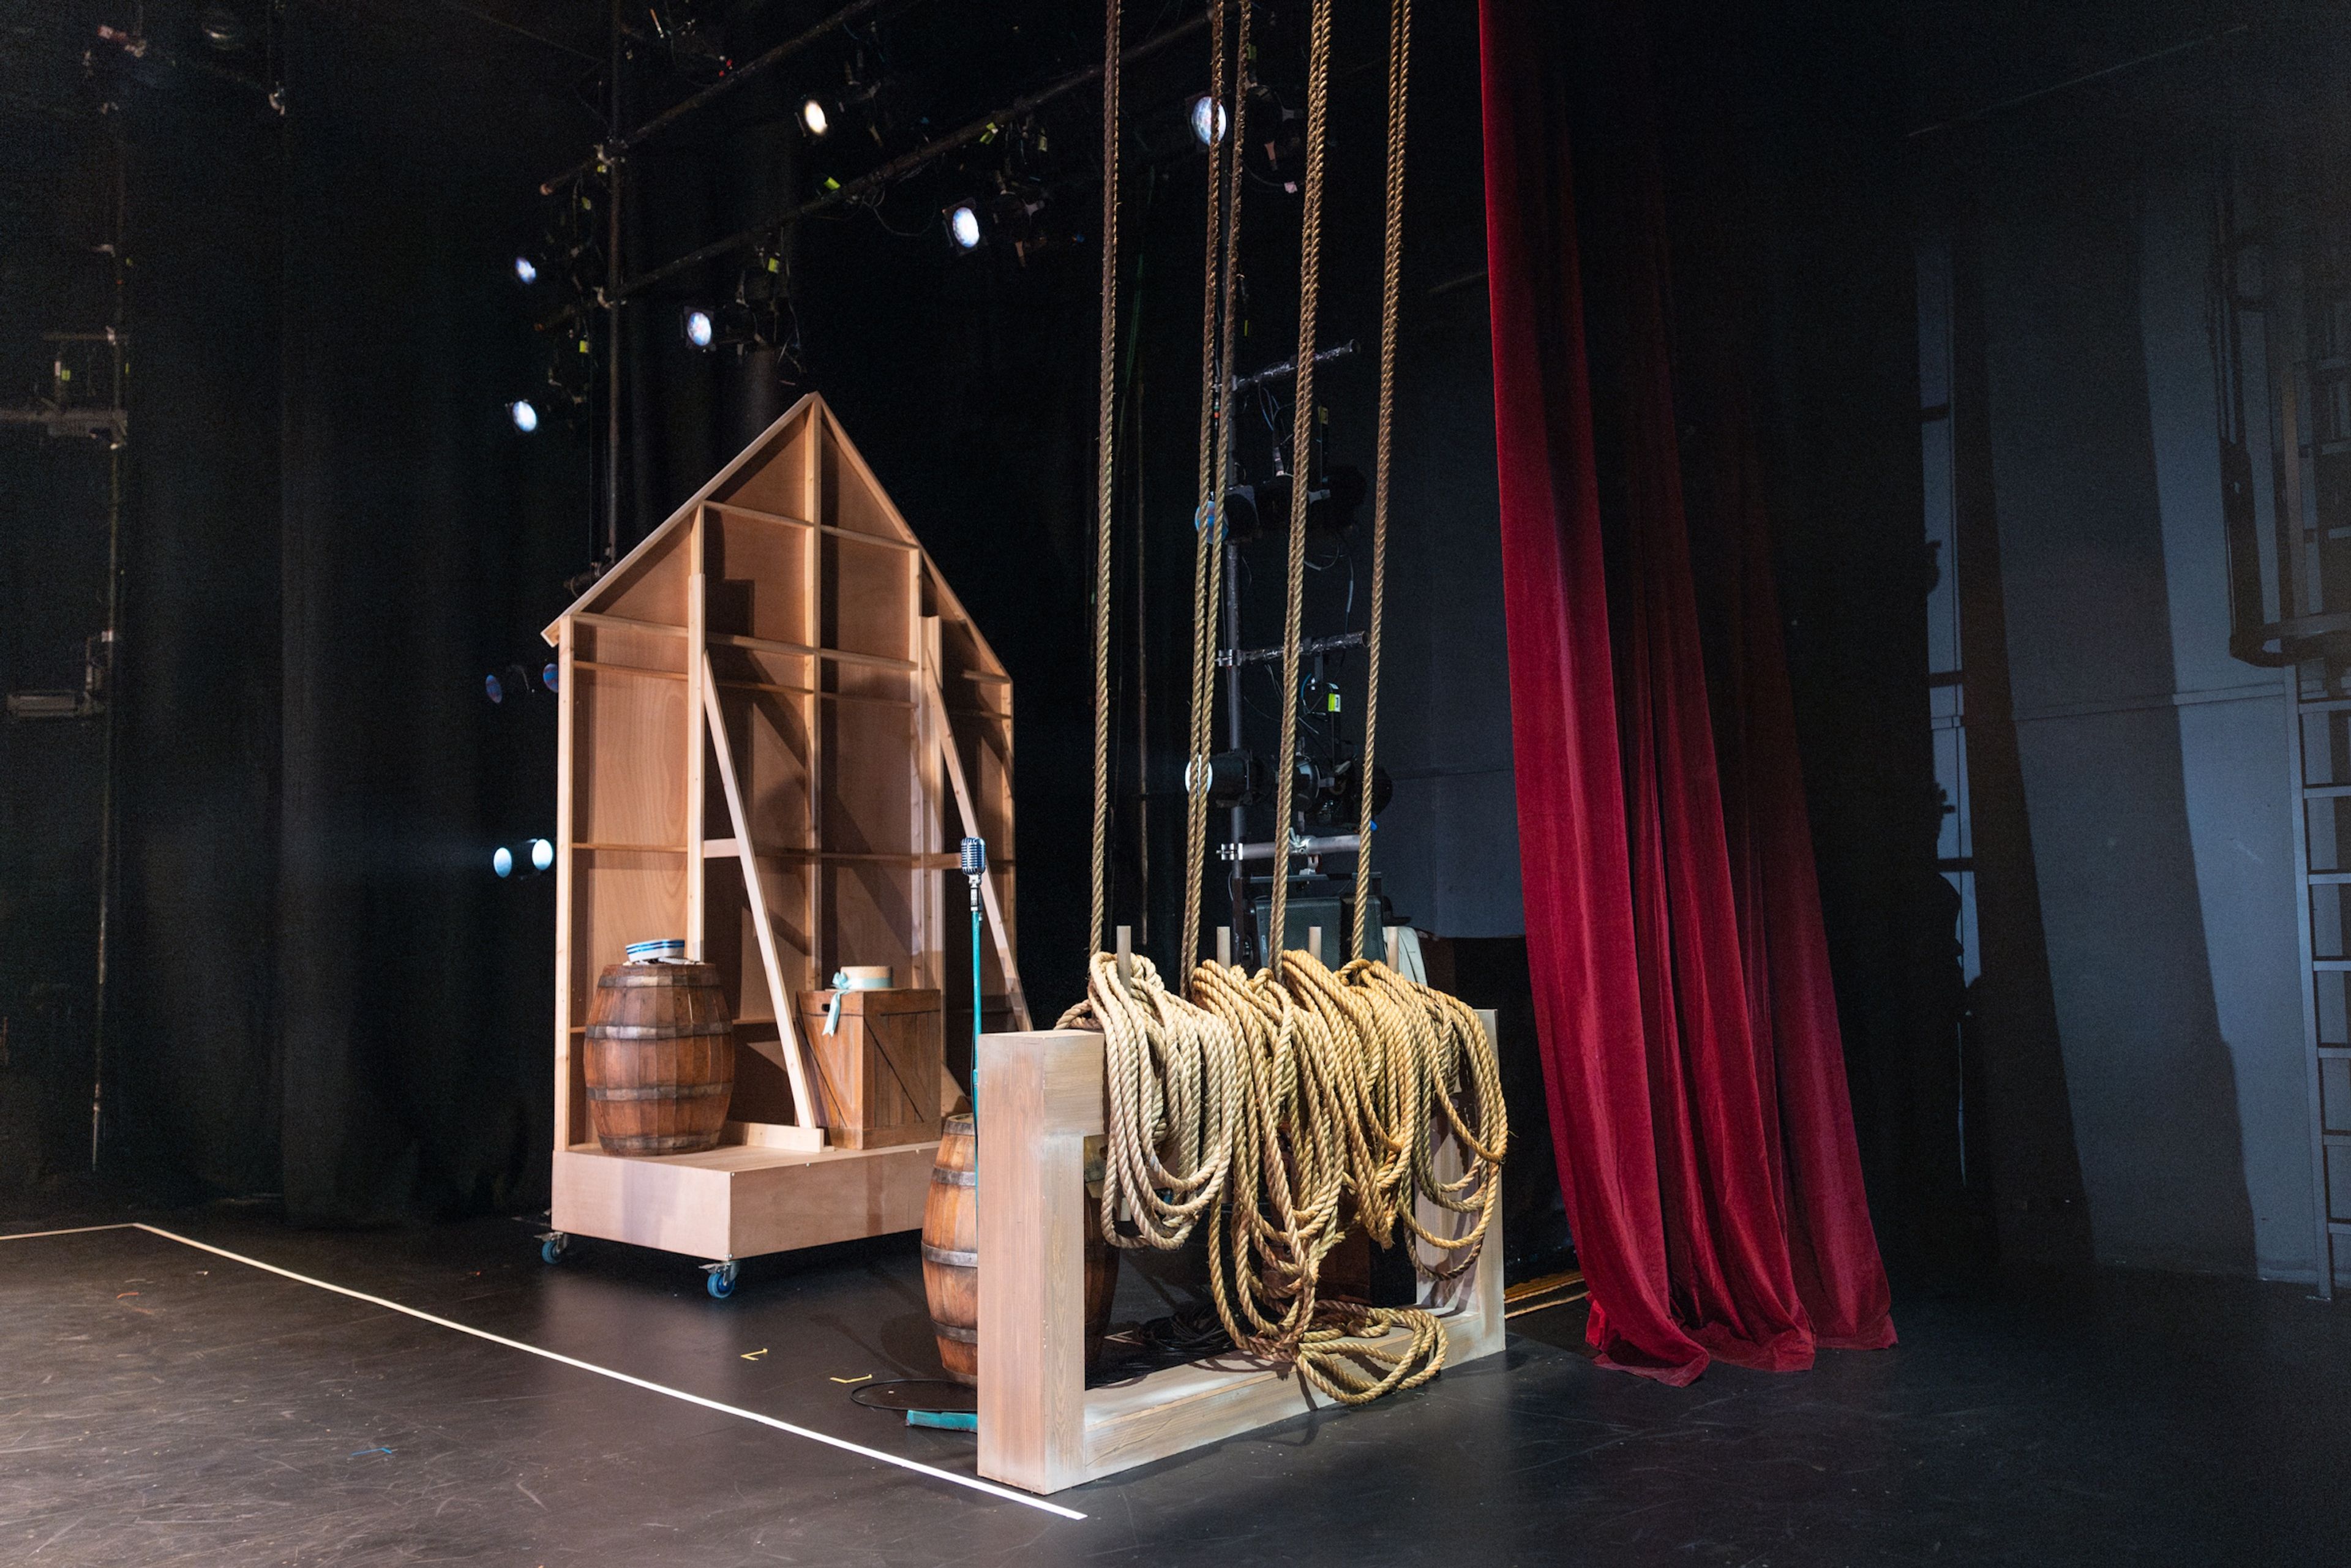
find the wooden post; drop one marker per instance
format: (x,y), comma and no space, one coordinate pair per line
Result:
(566,699)
(1224,946)
(697,683)
(1126,954)
(1014,995)
(805,1113)
(1044,1092)
(1389,931)
(1314,942)
(818,973)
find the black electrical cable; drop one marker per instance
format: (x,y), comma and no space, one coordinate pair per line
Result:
(916,1394)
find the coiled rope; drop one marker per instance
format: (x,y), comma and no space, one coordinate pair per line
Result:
(1282,1108)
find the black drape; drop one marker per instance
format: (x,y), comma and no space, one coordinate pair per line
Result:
(422,542)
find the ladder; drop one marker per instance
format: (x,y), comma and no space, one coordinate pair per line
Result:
(2319,776)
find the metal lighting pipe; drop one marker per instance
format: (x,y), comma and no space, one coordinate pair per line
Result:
(907,162)
(1230,658)
(117,335)
(1289,367)
(1299,844)
(618,143)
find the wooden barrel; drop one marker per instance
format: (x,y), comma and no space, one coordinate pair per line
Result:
(660,1059)
(951,1257)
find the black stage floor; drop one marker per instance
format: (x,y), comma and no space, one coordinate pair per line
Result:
(162,1405)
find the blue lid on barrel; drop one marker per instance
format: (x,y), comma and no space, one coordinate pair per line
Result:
(665,950)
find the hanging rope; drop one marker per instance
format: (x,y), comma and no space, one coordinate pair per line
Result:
(1105,478)
(1207,527)
(1287,1107)
(1390,275)
(1301,431)
(1216,330)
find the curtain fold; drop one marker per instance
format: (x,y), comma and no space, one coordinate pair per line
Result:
(1691,1045)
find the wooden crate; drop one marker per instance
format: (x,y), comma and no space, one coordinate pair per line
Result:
(1040,1427)
(878,1075)
(774,722)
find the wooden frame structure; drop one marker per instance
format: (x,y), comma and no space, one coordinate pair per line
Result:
(775,719)
(1040,1427)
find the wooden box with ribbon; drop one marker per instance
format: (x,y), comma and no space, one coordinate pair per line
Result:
(880,1059)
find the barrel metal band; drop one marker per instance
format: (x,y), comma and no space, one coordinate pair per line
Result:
(950,1257)
(954,1178)
(680,976)
(657,1030)
(664,1092)
(948,1330)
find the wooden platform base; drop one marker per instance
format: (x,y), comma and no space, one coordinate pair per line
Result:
(1039,1427)
(741,1200)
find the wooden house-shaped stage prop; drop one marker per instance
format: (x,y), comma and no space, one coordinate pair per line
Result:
(776,722)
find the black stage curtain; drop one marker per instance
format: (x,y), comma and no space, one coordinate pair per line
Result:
(325,991)
(423,543)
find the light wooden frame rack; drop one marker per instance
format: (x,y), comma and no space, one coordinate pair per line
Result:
(782,657)
(1040,1427)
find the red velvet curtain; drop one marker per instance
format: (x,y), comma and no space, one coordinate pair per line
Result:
(1690,1046)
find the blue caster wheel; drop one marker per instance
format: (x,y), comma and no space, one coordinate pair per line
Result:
(554,1248)
(719,1280)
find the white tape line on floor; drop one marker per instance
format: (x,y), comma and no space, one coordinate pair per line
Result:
(70,1230)
(971,1483)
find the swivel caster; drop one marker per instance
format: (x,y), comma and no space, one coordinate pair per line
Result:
(554,1247)
(718,1279)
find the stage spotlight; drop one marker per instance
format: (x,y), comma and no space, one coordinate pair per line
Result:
(525,271)
(814,119)
(223,29)
(525,417)
(1209,121)
(963,225)
(699,330)
(502,862)
(547,676)
(542,855)
(494,688)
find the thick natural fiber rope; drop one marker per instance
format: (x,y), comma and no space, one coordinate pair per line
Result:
(1287,1105)
(1284,1107)
(1301,432)
(1106,476)
(1392,271)
(1207,522)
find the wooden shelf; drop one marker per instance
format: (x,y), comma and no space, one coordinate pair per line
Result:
(739,1201)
